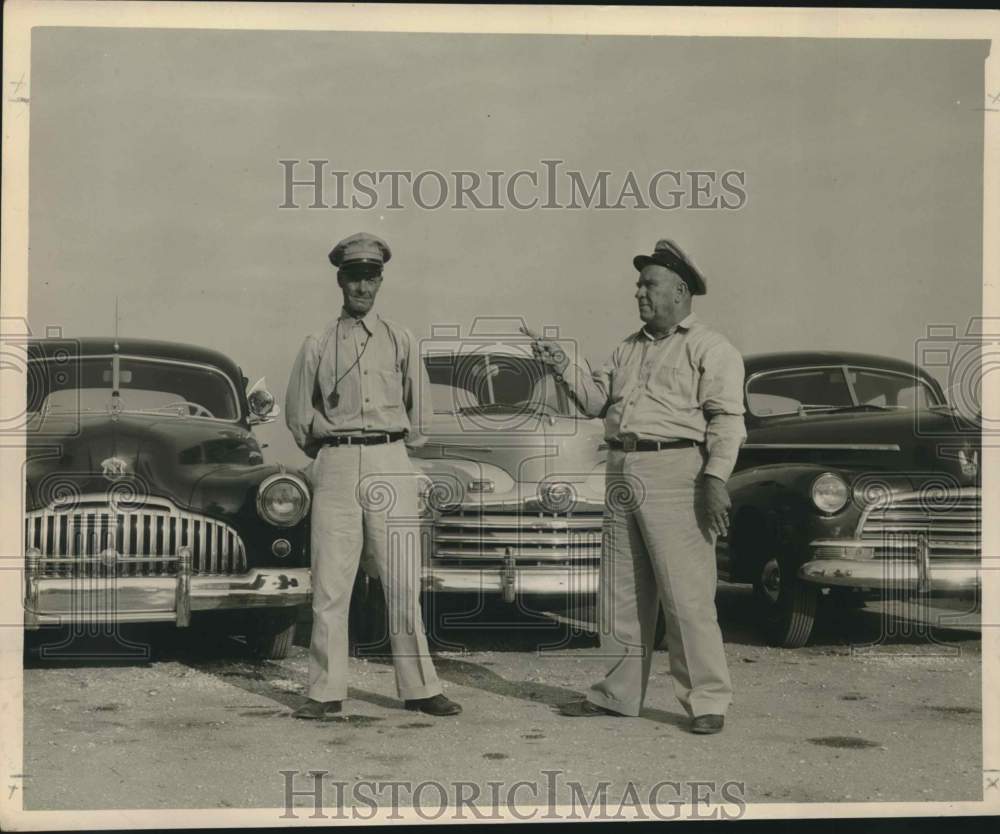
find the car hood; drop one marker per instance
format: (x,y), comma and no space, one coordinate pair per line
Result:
(528,448)
(154,455)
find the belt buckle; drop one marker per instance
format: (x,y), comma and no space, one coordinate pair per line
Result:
(629,442)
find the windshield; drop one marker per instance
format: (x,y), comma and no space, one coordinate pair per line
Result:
(493,382)
(146,386)
(839,388)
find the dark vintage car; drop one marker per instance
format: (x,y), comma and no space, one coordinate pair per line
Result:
(147,497)
(856,478)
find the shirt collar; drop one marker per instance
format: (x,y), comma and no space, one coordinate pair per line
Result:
(368,320)
(684,324)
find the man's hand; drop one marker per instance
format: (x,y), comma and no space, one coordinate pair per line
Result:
(547,351)
(716,504)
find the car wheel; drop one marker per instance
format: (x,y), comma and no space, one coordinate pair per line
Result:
(788,605)
(271,633)
(368,620)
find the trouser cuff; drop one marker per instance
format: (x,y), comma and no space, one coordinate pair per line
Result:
(601,700)
(418,694)
(326,695)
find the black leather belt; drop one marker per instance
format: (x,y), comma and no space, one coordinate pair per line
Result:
(631,443)
(363,439)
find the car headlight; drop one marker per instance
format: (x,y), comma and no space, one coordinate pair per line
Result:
(830,493)
(282,500)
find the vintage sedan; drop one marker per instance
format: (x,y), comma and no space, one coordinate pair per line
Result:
(147,498)
(856,478)
(513,490)
(516,479)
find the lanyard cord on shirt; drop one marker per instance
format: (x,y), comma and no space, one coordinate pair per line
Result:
(335,395)
(336,356)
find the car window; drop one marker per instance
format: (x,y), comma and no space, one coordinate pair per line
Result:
(791,391)
(147,386)
(818,390)
(499,382)
(890,390)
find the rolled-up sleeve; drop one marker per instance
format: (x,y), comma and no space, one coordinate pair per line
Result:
(720,393)
(299,394)
(416,395)
(591,389)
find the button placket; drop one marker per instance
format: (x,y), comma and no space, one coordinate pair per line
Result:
(362,361)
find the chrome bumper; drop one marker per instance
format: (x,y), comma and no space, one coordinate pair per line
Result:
(512,582)
(857,567)
(141,599)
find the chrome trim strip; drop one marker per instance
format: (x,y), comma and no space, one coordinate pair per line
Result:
(572,581)
(856,447)
(518,537)
(581,553)
(521,508)
(182,593)
(527,523)
(892,574)
(153,598)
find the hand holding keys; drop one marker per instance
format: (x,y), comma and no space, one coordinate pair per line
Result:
(547,351)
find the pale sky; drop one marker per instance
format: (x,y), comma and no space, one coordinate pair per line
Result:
(155,178)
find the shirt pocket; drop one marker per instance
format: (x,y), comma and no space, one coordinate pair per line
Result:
(389,394)
(671,380)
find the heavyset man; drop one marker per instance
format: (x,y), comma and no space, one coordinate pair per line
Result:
(672,400)
(354,404)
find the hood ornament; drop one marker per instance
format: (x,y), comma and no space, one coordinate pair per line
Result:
(112,468)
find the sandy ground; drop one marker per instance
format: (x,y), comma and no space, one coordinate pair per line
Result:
(201,725)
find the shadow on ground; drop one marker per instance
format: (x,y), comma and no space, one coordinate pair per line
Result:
(495,626)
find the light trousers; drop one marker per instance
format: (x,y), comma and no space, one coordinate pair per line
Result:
(656,548)
(365,499)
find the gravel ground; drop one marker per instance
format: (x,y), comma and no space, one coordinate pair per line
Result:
(201,725)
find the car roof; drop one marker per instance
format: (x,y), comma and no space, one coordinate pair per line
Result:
(789,359)
(104,345)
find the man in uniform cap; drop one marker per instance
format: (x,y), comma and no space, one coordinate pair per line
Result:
(672,400)
(355,402)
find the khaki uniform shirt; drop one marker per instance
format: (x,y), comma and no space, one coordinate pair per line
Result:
(687,384)
(375,366)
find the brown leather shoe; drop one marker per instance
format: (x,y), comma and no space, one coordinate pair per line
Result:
(317,710)
(586,709)
(707,724)
(436,705)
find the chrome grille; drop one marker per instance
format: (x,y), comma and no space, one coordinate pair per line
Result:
(93,538)
(950,521)
(475,537)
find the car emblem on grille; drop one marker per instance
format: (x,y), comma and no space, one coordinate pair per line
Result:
(113,467)
(969,461)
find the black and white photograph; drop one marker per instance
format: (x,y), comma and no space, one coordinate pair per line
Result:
(488,414)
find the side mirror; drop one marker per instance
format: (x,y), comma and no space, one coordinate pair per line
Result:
(263,408)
